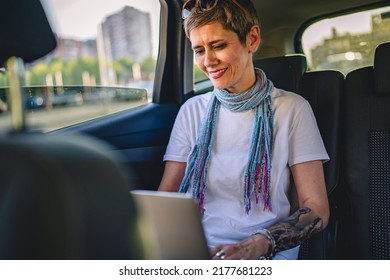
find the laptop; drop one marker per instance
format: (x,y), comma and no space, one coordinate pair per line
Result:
(170,226)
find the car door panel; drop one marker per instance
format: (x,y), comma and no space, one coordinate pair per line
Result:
(139,136)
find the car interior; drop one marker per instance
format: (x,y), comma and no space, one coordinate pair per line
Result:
(69,188)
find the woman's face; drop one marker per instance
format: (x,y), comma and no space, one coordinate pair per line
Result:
(223,58)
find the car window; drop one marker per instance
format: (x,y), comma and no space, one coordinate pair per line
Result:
(199,76)
(104,62)
(347,42)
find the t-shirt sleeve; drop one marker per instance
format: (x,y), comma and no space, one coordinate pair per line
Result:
(179,146)
(305,141)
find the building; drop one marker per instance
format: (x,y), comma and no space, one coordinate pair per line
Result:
(69,48)
(350,51)
(128,33)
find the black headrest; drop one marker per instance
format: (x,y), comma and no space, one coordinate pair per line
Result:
(284,71)
(25,31)
(64,198)
(382,68)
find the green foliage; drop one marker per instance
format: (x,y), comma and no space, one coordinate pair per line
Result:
(123,68)
(148,65)
(198,74)
(3,79)
(72,70)
(56,65)
(37,75)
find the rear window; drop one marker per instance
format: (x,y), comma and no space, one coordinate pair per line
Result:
(347,42)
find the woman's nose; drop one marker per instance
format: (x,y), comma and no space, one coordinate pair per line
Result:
(210,58)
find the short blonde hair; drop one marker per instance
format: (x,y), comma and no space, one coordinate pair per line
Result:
(238,16)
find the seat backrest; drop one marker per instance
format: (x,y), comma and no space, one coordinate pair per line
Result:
(284,71)
(64,197)
(323,90)
(367,156)
(61,196)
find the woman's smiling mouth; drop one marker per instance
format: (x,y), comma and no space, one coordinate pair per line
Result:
(217,74)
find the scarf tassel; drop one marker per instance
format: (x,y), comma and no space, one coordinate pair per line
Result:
(257,179)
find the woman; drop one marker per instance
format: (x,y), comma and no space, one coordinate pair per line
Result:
(235,148)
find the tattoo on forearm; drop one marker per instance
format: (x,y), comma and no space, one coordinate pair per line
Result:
(296,229)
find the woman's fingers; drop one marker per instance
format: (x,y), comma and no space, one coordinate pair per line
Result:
(248,249)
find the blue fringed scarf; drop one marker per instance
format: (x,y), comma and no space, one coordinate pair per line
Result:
(257,181)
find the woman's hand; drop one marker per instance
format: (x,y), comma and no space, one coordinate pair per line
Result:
(251,248)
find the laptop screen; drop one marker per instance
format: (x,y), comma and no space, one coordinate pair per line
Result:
(170,226)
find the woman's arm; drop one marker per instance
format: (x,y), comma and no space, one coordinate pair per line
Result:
(313,213)
(312,216)
(172,177)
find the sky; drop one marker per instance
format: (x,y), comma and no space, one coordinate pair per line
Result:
(79,19)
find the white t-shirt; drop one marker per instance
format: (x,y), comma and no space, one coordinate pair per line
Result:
(296,140)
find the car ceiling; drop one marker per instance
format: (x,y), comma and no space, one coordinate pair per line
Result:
(280,27)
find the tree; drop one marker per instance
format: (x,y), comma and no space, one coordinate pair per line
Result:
(123,68)
(3,79)
(56,65)
(148,67)
(199,75)
(73,72)
(37,75)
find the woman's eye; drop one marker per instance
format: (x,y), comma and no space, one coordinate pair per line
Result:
(219,47)
(198,52)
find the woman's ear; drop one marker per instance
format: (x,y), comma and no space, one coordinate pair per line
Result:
(253,39)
